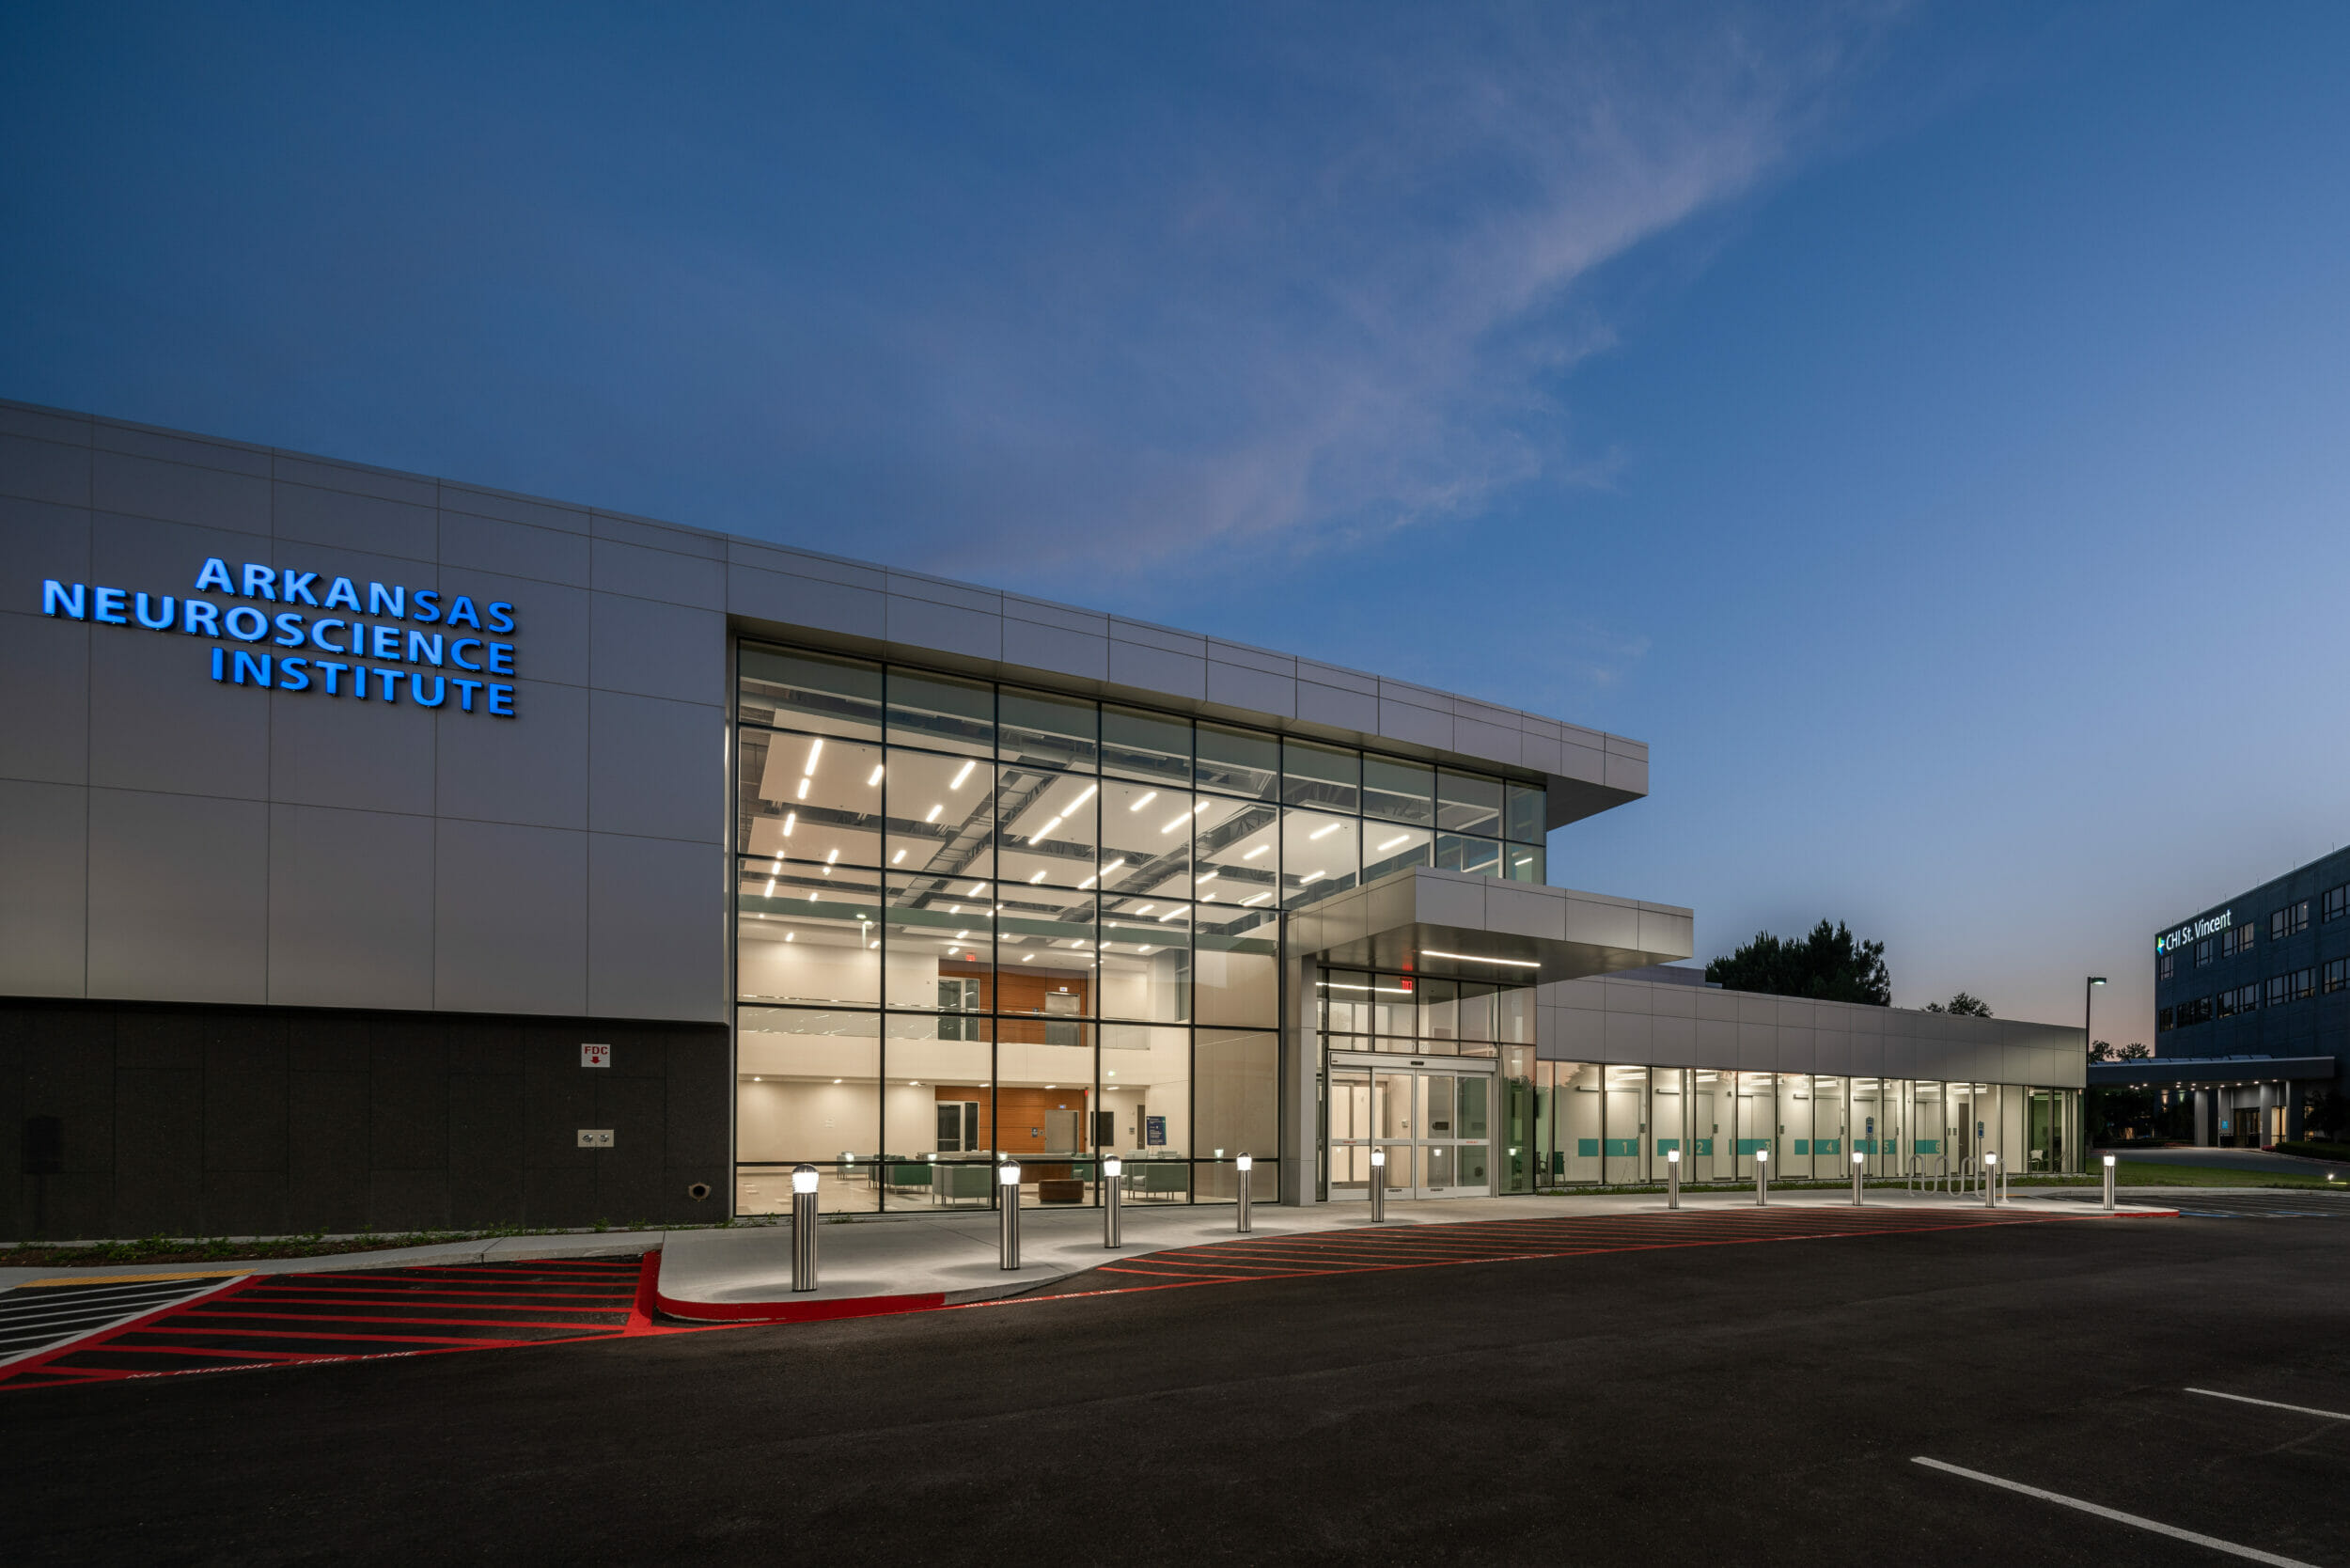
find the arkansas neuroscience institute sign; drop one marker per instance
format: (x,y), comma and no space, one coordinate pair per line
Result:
(462,648)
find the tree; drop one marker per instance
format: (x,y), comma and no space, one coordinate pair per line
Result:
(1829,965)
(2105,1051)
(1963,1006)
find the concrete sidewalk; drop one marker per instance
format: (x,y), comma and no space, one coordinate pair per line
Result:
(922,1259)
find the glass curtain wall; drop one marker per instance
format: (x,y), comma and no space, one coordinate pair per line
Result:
(1594,1124)
(1447,1130)
(974,919)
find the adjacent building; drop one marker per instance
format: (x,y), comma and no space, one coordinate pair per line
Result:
(378,850)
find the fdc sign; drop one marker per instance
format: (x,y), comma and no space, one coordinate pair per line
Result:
(464,638)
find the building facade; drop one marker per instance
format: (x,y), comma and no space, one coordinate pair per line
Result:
(383,852)
(2252,1006)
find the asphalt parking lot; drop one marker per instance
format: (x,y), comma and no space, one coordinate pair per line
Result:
(1752,1404)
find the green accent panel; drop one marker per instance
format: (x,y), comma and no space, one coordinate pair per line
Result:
(1825,1146)
(1666,1145)
(1803,1147)
(1705,1146)
(1624,1146)
(1929,1146)
(1587,1148)
(1752,1145)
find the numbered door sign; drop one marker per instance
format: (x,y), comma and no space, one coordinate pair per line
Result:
(595,1055)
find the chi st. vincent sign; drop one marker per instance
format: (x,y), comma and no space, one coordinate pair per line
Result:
(2209,925)
(397,644)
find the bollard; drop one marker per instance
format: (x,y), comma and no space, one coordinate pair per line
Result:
(2108,1181)
(1990,1179)
(1672,1177)
(1378,1186)
(1113,1173)
(1244,1164)
(1761,1177)
(804,1179)
(1008,1210)
(1855,1180)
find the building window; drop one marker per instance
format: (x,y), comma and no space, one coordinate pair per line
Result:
(2195,1010)
(2293,920)
(2297,986)
(2239,999)
(2166,1020)
(2337,974)
(2337,901)
(2236,939)
(2204,952)
(2163,965)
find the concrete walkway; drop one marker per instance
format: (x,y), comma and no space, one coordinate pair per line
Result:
(923,1260)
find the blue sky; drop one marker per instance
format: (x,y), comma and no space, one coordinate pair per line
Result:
(1925,425)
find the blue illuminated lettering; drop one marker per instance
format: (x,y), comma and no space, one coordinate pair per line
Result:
(199,615)
(290,632)
(386,644)
(424,648)
(109,607)
(386,601)
(318,635)
(140,606)
(340,595)
(425,607)
(501,658)
(215,575)
(501,617)
(460,613)
(415,691)
(64,599)
(261,582)
(502,701)
(333,671)
(390,689)
(238,629)
(289,675)
(464,691)
(219,657)
(251,669)
(294,587)
(458,658)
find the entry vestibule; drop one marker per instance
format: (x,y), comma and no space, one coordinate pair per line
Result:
(1432,1117)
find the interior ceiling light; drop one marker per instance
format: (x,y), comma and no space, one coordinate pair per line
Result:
(1142,946)
(1392,843)
(961,935)
(1180,818)
(1257,899)
(1258,851)
(1147,797)
(815,749)
(954,909)
(1206,877)
(790,819)
(804,784)
(976,888)
(1088,881)
(933,813)
(1113,864)
(811,897)
(1170,915)
(832,857)
(964,773)
(1083,795)
(1046,832)
(1324,831)
(897,857)
(1028,958)
(1311,876)
(1209,898)
(1480,958)
(875,778)
(790,935)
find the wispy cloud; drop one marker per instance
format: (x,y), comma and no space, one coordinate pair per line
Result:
(1341,303)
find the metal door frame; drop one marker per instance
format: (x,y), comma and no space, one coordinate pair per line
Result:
(1416,1068)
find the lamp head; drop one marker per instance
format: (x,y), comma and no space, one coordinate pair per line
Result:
(1378,1156)
(2096,979)
(1855,1157)
(804,1178)
(2109,1159)
(1007,1174)
(1246,1162)
(1761,1156)
(1672,1157)
(1113,1168)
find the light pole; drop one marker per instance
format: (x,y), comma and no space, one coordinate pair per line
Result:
(2089,992)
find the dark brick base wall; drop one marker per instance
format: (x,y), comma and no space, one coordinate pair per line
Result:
(236,1121)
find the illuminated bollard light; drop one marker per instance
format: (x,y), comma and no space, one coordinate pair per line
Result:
(1761,1177)
(804,1179)
(1008,1210)
(1113,1169)
(1246,1164)
(1672,1177)
(2108,1181)
(1855,1178)
(1378,1186)
(1990,1180)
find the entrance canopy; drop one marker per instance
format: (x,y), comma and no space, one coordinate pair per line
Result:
(1450,923)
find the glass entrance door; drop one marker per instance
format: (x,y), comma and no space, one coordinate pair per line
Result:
(1437,1128)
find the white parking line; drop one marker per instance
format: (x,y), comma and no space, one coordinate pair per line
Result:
(2255,1553)
(2296,1410)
